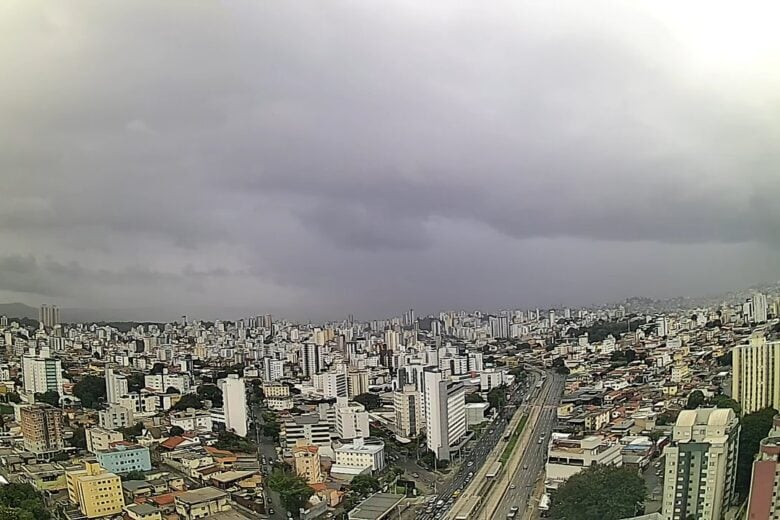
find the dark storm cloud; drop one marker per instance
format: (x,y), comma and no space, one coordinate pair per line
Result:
(316,159)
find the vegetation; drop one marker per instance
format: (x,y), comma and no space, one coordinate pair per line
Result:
(510,446)
(188,401)
(722,401)
(599,493)
(755,426)
(134,475)
(601,329)
(365,485)
(131,432)
(51,397)
(231,442)
(474,397)
(293,490)
(22,502)
(429,459)
(497,397)
(369,400)
(628,356)
(172,390)
(175,430)
(79,439)
(135,382)
(13,397)
(211,393)
(91,390)
(560,366)
(695,400)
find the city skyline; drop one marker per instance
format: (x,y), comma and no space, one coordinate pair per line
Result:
(315,161)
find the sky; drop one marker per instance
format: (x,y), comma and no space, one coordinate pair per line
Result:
(319,159)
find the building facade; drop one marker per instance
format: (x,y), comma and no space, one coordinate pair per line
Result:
(409,420)
(445,413)
(764,500)
(234,397)
(42,430)
(756,374)
(97,492)
(124,458)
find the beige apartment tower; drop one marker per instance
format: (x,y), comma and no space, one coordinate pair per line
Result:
(756,374)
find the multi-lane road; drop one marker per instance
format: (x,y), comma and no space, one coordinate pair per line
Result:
(474,460)
(532,463)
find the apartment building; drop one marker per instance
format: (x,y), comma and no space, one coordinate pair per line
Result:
(97,492)
(101,438)
(756,374)
(568,455)
(124,458)
(41,427)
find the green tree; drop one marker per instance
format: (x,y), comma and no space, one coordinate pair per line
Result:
(22,502)
(474,397)
(212,393)
(365,485)
(13,397)
(722,401)
(79,439)
(497,397)
(91,390)
(369,400)
(231,442)
(599,493)
(134,475)
(175,430)
(272,429)
(188,401)
(135,382)
(695,400)
(172,390)
(131,432)
(293,490)
(51,397)
(755,426)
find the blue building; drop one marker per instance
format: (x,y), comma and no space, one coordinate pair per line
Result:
(124,458)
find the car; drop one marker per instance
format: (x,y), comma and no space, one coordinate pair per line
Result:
(415,475)
(270,510)
(471,463)
(525,466)
(513,486)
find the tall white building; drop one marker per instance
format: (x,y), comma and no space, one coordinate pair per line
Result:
(311,359)
(755,381)
(234,398)
(701,465)
(760,306)
(331,384)
(41,373)
(161,382)
(445,413)
(351,419)
(273,369)
(116,386)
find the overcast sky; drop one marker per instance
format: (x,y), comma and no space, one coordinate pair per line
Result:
(314,159)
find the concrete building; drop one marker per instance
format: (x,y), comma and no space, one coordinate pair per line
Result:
(311,428)
(445,413)
(357,382)
(351,419)
(276,390)
(409,420)
(42,373)
(701,464)
(568,455)
(755,382)
(101,438)
(764,500)
(124,458)
(49,315)
(115,417)
(201,503)
(331,384)
(97,492)
(161,382)
(273,369)
(362,454)
(311,359)
(475,413)
(307,462)
(490,379)
(116,386)
(191,420)
(41,427)
(234,397)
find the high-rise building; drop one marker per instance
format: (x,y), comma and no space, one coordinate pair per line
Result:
(755,381)
(97,492)
(115,416)
(701,465)
(351,419)
(409,420)
(445,413)
(760,307)
(357,382)
(49,315)
(307,462)
(41,373)
(273,369)
(42,430)
(116,385)
(332,384)
(311,359)
(764,500)
(234,398)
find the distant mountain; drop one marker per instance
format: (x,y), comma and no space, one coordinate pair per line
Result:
(18,310)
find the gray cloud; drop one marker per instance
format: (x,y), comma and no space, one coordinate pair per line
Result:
(317,160)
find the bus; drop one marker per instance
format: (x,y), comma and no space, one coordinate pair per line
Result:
(494,470)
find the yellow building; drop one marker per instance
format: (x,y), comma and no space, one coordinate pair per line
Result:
(97,492)
(307,462)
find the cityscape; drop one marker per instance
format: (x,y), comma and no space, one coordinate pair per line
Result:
(359,260)
(609,412)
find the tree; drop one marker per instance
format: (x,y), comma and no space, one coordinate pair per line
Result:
(272,429)
(51,397)
(13,397)
(172,390)
(22,502)
(229,441)
(135,382)
(599,493)
(722,401)
(560,366)
(474,397)
(497,397)
(79,439)
(695,400)
(365,485)
(175,430)
(131,432)
(369,400)
(755,426)
(212,393)
(134,475)
(188,401)
(293,490)
(91,390)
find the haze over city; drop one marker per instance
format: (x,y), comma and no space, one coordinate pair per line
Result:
(319,159)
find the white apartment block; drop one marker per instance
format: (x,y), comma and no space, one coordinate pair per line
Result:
(351,419)
(445,413)
(362,453)
(755,381)
(409,421)
(161,382)
(310,428)
(100,439)
(234,398)
(701,465)
(41,374)
(192,420)
(115,417)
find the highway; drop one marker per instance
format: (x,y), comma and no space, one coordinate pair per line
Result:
(475,459)
(531,466)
